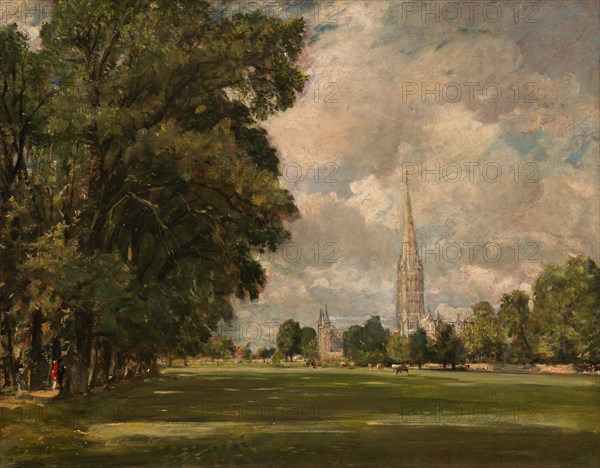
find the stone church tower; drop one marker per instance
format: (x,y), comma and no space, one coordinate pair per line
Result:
(410,303)
(324,334)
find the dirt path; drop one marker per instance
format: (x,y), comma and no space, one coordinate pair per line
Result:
(12,401)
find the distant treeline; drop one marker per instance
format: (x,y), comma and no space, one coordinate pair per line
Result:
(559,324)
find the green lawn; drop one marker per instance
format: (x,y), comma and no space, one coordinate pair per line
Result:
(316,417)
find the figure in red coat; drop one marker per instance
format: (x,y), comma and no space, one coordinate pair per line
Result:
(54,374)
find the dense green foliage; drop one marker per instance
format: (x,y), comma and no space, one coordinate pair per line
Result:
(419,348)
(366,344)
(448,347)
(265,353)
(289,338)
(219,347)
(308,343)
(136,184)
(566,311)
(485,337)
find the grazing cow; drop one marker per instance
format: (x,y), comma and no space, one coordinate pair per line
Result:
(400,368)
(380,366)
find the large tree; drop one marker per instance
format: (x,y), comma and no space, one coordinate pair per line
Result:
(265,353)
(485,337)
(449,347)
(419,347)
(397,348)
(514,315)
(374,335)
(566,312)
(153,154)
(24,90)
(308,342)
(352,340)
(366,344)
(289,338)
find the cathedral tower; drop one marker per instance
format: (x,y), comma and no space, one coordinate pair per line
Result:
(324,334)
(410,303)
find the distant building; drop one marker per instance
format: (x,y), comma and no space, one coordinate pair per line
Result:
(410,295)
(460,325)
(410,301)
(329,340)
(430,324)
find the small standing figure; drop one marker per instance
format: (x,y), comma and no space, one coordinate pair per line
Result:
(54,374)
(20,382)
(60,374)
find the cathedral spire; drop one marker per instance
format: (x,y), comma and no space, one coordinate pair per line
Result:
(409,240)
(410,303)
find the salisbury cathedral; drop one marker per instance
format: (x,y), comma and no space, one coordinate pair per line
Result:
(410,302)
(410,296)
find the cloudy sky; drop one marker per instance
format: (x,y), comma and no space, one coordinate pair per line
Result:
(494,111)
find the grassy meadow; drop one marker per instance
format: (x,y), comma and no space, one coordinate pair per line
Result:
(261,415)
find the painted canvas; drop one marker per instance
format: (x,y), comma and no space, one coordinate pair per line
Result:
(299,233)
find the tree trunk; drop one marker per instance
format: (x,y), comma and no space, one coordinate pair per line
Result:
(93,362)
(118,366)
(102,362)
(80,351)
(9,362)
(524,338)
(56,349)
(154,371)
(106,360)
(39,369)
